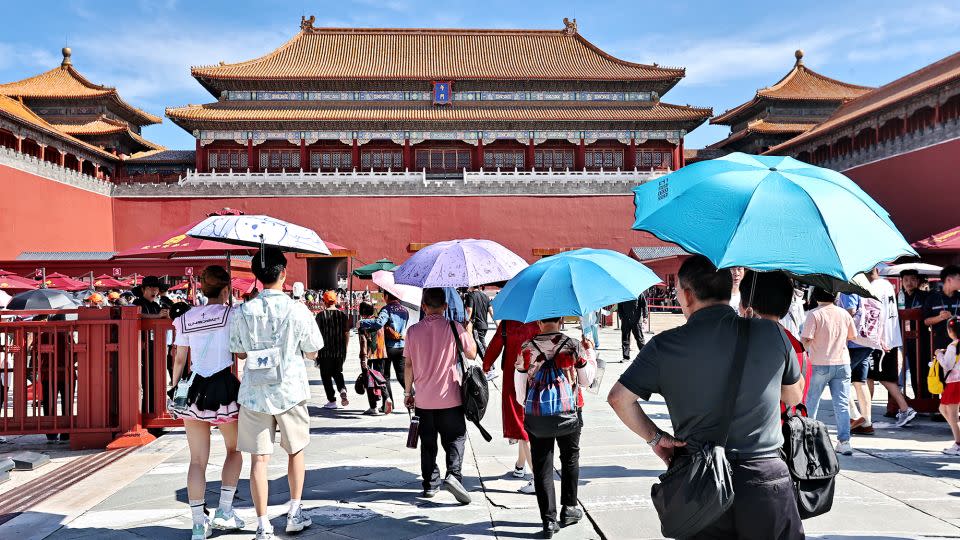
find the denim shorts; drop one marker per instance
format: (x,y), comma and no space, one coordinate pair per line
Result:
(860,363)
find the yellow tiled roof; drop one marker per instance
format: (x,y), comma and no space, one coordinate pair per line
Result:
(16,109)
(801,83)
(762,126)
(260,111)
(65,82)
(100,126)
(391,53)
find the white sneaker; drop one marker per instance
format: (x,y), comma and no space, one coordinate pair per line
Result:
(519,472)
(331,405)
(528,488)
(264,535)
(298,521)
(491,375)
(953,450)
(904,417)
(844,448)
(201,531)
(227,522)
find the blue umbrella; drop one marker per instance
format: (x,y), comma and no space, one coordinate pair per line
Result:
(572,283)
(770,213)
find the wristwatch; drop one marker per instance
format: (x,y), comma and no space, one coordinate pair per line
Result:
(656,439)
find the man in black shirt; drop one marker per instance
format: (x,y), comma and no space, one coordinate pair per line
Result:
(477,306)
(335,329)
(148,298)
(942,305)
(632,313)
(914,298)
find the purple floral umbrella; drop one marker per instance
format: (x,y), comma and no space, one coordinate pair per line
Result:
(459,263)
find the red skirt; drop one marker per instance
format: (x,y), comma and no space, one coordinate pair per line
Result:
(951,394)
(512,411)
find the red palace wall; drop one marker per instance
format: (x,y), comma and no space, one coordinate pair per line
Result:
(920,189)
(37,214)
(384,226)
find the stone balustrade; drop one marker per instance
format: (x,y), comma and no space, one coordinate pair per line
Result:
(53,171)
(914,140)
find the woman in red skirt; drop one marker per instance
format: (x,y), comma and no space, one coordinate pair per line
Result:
(506,343)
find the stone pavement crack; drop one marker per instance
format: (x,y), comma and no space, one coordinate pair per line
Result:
(490,503)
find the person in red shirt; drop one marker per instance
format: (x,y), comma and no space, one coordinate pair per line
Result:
(508,339)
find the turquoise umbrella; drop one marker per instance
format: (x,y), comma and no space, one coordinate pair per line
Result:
(572,283)
(770,213)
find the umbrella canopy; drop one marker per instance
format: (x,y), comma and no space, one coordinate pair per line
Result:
(12,282)
(770,213)
(65,283)
(254,231)
(42,299)
(459,263)
(177,244)
(4,299)
(367,271)
(923,269)
(406,293)
(947,241)
(107,282)
(572,283)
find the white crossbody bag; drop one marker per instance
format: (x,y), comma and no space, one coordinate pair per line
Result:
(263,366)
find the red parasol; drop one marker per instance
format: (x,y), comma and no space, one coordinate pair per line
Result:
(107,282)
(65,283)
(946,241)
(177,244)
(12,282)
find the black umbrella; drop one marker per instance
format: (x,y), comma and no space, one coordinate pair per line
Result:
(41,299)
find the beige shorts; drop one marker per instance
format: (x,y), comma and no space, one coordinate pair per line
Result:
(257,431)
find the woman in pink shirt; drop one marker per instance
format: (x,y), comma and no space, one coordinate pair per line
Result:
(825,333)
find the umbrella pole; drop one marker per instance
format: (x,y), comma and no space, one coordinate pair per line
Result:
(350,288)
(230,279)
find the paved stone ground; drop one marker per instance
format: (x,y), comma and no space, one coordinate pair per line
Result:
(363,483)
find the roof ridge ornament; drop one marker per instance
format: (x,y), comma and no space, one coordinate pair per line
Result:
(798,54)
(307,24)
(66,57)
(569,26)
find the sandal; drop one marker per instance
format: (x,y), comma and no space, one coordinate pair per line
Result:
(343,398)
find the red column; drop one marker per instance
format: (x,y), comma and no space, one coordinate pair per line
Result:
(304,164)
(676,157)
(530,155)
(63,156)
(936,113)
(355,155)
(579,160)
(79,164)
(876,135)
(19,144)
(680,158)
(905,120)
(43,149)
(407,155)
(630,160)
(250,163)
(479,163)
(198,157)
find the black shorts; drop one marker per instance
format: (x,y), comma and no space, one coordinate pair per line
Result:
(859,364)
(885,367)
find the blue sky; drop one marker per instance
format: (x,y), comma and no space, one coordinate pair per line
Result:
(146,47)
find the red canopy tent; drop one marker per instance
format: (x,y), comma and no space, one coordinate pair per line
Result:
(177,244)
(107,282)
(65,283)
(946,241)
(12,282)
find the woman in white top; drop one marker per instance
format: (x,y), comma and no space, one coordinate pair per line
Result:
(204,333)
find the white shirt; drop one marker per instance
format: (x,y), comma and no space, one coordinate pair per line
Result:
(885,293)
(206,330)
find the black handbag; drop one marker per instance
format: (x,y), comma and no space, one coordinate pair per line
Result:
(809,454)
(474,389)
(698,487)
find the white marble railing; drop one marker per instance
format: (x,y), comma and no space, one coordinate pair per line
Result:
(302,177)
(561,176)
(53,171)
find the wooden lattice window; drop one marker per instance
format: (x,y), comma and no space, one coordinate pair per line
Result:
(276,160)
(596,158)
(438,159)
(654,159)
(553,158)
(504,159)
(330,160)
(379,159)
(227,159)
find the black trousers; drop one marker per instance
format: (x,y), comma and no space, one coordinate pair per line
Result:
(394,357)
(541,455)
(331,372)
(451,426)
(628,327)
(480,336)
(381,365)
(764,508)
(918,380)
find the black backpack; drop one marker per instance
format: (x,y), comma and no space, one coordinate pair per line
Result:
(473,390)
(812,461)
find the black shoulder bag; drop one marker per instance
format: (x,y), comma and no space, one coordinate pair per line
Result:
(474,391)
(698,487)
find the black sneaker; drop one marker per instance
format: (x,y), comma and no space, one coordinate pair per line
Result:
(570,515)
(550,528)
